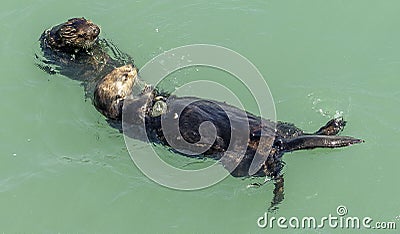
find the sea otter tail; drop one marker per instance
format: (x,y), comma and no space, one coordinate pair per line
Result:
(319,141)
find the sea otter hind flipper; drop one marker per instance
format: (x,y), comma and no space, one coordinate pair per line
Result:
(319,141)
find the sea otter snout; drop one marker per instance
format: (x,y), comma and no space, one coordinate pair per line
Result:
(73,35)
(112,90)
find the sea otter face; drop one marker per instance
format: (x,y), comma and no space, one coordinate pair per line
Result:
(112,90)
(75,34)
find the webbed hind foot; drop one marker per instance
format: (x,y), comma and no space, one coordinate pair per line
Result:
(278,191)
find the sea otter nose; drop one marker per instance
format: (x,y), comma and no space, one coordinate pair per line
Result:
(95,31)
(135,71)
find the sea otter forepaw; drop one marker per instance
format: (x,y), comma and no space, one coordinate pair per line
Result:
(147,89)
(333,127)
(338,124)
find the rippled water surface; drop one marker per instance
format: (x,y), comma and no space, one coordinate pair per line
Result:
(63,169)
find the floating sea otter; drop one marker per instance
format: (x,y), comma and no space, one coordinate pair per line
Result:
(151,114)
(75,50)
(146,108)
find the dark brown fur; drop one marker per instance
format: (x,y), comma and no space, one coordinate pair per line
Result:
(74,47)
(266,144)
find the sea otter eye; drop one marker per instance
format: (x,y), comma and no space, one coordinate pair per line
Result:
(125,77)
(118,97)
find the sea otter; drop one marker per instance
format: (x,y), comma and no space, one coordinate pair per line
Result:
(74,49)
(189,113)
(149,114)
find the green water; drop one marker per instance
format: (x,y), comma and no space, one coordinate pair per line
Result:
(63,169)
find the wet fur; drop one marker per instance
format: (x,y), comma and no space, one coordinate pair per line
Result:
(74,49)
(278,138)
(111,91)
(75,35)
(88,60)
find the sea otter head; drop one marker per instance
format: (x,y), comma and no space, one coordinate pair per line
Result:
(112,90)
(74,35)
